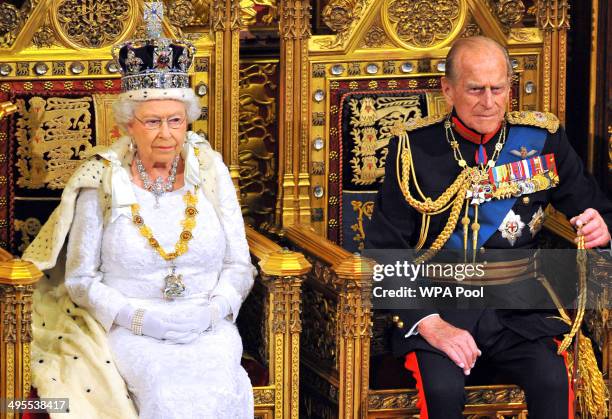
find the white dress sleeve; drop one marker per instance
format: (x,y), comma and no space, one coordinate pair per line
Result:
(83,277)
(237,273)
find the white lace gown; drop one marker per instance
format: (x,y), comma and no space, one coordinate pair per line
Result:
(110,265)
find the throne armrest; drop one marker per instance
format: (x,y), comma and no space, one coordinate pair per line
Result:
(270,323)
(337,323)
(17,279)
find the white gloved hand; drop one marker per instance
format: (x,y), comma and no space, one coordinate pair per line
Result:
(160,326)
(176,329)
(200,316)
(205,316)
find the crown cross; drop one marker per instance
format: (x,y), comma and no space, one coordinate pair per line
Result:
(153,15)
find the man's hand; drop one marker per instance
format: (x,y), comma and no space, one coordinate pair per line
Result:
(591,225)
(457,344)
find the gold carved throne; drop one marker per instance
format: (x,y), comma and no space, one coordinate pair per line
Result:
(56,70)
(381,63)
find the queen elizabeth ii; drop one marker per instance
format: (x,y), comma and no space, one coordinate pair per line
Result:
(156,254)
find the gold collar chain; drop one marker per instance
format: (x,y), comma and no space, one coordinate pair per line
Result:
(452,141)
(188,223)
(476,176)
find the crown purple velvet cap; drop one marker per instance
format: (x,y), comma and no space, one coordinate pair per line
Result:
(152,64)
(156,67)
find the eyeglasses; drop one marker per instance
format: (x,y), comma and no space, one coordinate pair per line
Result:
(156,123)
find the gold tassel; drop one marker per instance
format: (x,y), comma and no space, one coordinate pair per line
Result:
(591,391)
(424,230)
(475,230)
(581,261)
(465,221)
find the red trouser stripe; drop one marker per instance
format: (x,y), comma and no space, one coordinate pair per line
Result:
(570,381)
(412,365)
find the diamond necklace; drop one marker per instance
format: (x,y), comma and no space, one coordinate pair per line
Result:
(157,187)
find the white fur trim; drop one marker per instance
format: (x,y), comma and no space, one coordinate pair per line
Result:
(158,94)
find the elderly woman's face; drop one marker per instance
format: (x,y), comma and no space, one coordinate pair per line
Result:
(158,129)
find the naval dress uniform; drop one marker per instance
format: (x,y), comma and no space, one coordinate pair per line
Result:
(518,344)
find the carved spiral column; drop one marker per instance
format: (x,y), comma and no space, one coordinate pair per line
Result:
(553,18)
(293,204)
(16,287)
(226,24)
(355,331)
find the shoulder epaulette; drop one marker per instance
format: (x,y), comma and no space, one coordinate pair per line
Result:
(400,128)
(544,120)
(416,123)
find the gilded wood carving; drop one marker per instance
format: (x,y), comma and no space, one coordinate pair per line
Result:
(92,23)
(424,25)
(395,46)
(257,141)
(11,20)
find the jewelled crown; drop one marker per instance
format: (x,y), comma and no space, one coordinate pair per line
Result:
(155,62)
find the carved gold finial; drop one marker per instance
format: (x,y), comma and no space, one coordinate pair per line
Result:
(17,271)
(355,267)
(285,263)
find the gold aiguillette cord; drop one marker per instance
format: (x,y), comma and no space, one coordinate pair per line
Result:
(452,198)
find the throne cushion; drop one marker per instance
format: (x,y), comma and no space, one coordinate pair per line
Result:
(365,122)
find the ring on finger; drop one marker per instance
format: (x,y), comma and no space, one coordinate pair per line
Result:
(580,224)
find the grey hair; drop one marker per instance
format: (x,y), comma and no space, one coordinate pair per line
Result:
(124,108)
(473,41)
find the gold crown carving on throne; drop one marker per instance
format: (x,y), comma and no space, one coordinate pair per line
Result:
(155,67)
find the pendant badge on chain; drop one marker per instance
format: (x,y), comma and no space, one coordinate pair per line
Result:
(175,287)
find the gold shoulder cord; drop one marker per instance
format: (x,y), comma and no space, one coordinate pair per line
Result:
(453,197)
(469,179)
